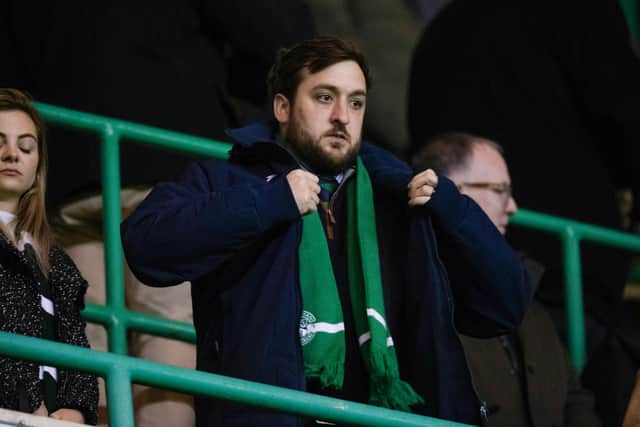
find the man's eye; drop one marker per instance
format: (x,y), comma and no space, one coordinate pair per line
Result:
(357,104)
(324,98)
(502,189)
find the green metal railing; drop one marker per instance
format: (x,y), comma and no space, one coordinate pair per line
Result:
(120,371)
(571,233)
(631,11)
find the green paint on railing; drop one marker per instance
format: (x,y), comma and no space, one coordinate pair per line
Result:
(153,325)
(632,16)
(573,292)
(120,371)
(571,233)
(110,155)
(136,132)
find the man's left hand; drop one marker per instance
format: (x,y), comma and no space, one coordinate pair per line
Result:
(422,187)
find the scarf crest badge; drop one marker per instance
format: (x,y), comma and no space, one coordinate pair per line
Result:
(307,331)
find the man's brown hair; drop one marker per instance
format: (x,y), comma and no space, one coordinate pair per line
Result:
(312,55)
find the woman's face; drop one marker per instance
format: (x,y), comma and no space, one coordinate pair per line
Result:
(18,157)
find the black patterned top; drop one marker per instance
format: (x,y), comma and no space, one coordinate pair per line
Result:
(22,312)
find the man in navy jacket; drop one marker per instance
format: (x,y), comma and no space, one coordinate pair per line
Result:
(234,230)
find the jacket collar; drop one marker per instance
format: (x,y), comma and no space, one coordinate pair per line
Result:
(255,132)
(256,148)
(255,143)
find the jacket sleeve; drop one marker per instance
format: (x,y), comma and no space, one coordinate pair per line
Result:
(489,282)
(186,229)
(76,390)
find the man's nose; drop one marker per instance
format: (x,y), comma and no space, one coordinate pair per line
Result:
(512,206)
(340,112)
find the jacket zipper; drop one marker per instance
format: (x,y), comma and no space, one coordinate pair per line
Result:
(483,404)
(296,333)
(328,207)
(330,220)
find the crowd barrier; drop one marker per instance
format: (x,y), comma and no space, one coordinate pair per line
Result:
(120,370)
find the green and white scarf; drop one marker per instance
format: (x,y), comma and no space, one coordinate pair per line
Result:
(322,327)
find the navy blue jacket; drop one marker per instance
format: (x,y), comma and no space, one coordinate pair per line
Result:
(234,234)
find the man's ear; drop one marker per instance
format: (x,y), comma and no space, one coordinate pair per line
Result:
(281,108)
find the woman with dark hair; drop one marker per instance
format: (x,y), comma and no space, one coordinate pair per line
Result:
(41,290)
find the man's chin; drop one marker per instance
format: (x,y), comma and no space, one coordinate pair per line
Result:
(333,164)
(336,156)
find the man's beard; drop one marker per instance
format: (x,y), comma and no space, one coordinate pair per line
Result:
(310,152)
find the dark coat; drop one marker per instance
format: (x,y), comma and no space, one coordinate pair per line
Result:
(235,236)
(547,394)
(20,313)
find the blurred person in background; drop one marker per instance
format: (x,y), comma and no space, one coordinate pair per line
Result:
(526,376)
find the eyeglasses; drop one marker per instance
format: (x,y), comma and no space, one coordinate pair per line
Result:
(502,189)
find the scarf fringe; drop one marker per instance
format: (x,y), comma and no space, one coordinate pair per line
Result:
(330,375)
(393,393)
(389,390)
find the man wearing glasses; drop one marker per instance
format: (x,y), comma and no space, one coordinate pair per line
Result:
(525,377)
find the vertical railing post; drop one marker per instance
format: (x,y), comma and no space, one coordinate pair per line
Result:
(573,298)
(119,398)
(631,12)
(110,161)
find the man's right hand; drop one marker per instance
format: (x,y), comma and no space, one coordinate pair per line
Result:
(305,188)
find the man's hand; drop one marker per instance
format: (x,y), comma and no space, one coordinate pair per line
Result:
(305,189)
(72,415)
(422,187)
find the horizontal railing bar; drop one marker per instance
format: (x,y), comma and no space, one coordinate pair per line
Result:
(582,230)
(146,323)
(141,133)
(216,386)
(160,326)
(100,314)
